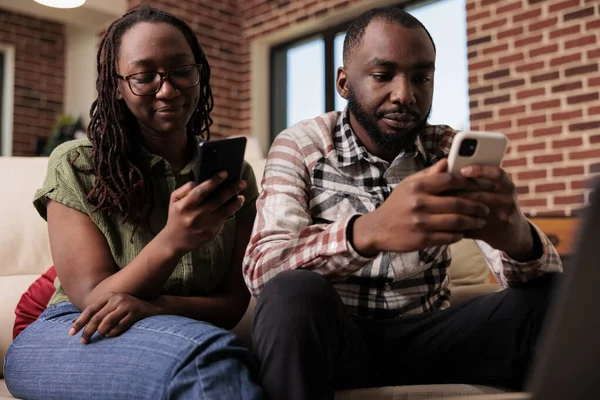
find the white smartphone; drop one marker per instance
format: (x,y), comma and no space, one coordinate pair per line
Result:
(474,147)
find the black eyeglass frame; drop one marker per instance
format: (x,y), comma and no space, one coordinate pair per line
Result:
(163,76)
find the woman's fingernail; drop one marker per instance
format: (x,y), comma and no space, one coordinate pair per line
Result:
(467,171)
(71,331)
(223,174)
(241,185)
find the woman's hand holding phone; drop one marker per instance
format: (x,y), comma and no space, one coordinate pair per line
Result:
(197,214)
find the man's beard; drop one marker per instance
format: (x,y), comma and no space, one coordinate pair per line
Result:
(396,142)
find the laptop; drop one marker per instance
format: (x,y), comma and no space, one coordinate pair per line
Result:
(567,365)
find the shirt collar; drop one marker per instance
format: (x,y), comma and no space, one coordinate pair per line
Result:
(351,150)
(159,164)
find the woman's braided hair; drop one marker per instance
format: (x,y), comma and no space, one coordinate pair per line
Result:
(113,130)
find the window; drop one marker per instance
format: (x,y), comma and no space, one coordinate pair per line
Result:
(303,71)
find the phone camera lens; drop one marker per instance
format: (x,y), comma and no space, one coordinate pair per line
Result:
(467,147)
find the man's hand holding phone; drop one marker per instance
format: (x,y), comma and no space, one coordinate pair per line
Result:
(477,156)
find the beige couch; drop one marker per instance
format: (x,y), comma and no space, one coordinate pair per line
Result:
(25,255)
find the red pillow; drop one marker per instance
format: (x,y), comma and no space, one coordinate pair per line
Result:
(34,301)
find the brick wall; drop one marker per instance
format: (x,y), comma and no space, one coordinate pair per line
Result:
(534,74)
(39,76)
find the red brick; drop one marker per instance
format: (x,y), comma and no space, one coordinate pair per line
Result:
(542,105)
(594,110)
(543,24)
(593,24)
(594,53)
(533,203)
(480,65)
(567,115)
(481,89)
(547,131)
(584,126)
(472,17)
(525,94)
(527,15)
(494,24)
(479,40)
(552,48)
(565,59)
(587,154)
(537,119)
(515,5)
(578,14)
(496,74)
(515,162)
(530,147)
(572,199)
(511,58)
(594,82)
(580,41)
(571,30)
(566,171)
(565,87)
(582,184)
(562,5)
(497,126)
(528,40)
(545,77)
(481,115)
(550,187)
(530,66)
(582,98)
(512,136)
(571,142)
(496,100)
(512,110)
(510,84)
(528,175)
(510,32)
(495,49)
(583,69)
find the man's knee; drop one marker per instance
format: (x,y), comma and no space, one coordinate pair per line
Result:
(293,298)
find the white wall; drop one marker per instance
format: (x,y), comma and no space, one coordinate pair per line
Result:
(80,71)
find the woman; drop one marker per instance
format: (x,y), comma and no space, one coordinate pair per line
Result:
(155,267)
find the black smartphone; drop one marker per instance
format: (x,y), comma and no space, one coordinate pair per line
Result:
(221,155)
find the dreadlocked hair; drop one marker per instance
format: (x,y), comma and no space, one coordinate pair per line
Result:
(113,130)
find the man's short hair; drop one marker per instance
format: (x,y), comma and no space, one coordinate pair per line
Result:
(356,30)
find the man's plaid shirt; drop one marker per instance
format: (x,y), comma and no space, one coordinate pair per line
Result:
(317,177)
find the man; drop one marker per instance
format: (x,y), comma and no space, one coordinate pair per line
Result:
(349,252)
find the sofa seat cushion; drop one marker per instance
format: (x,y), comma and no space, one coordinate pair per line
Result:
(416,392)
(11,287)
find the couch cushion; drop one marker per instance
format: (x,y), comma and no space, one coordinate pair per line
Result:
(416,392)
(468,265)
(24,241)
(11,287)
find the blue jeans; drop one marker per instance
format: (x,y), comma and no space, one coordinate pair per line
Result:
(160,357)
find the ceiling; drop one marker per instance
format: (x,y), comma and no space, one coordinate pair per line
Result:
(94,14)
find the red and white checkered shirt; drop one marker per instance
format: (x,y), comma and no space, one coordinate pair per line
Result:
(318,176)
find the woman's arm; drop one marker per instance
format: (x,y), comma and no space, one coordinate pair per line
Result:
(84,263)
(228,305)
